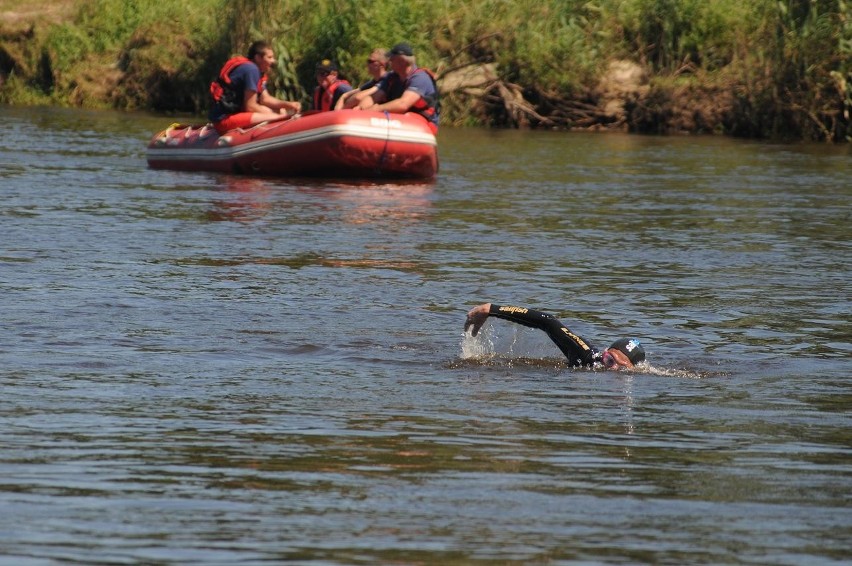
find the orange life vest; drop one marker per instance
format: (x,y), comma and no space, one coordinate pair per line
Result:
(223,91)
(324,98)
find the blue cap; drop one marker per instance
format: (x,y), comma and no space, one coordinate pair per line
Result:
(401,49)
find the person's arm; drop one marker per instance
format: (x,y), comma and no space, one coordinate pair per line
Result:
(399,105)
(342,90)
(419,85)
(277,105)
(248,75)
(368,102)
(576,349)
(252,104)
(354,97)
(343,98)
(476,317)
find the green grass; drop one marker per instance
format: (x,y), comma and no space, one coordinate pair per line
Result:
(789,62)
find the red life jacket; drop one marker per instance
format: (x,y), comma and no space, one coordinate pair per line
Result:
(426,106)
(324,98)
(223,91)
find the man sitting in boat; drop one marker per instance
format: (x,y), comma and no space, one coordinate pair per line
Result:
(330,87)
(377,66)
(240,98)
(407,88)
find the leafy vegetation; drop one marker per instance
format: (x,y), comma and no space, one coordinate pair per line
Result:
(767,68)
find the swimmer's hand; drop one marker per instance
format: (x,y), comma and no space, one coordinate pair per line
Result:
(476,317)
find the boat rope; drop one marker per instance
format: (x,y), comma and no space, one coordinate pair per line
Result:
(384,149)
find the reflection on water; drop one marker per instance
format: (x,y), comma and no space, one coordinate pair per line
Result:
(204,368)
(245,199)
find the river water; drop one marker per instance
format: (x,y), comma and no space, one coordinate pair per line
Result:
(207,369)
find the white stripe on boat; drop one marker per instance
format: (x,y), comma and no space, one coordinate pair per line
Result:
(282,141)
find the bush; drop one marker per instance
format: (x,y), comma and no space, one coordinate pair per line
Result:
(786,65)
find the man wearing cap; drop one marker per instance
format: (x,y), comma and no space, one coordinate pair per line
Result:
(330,87)
(622,354)
(407,88)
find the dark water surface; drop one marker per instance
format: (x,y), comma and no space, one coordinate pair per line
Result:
(203,369)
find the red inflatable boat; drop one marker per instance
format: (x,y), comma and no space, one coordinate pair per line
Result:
(344,143)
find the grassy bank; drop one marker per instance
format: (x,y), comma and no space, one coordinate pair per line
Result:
(768,68)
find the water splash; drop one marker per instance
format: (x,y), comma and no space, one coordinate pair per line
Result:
(670,372)
(477,347)
(489,348)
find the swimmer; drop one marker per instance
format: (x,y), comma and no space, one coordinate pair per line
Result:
(622,354)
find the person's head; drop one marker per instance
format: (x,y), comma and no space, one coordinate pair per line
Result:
(624,353)
(377,63)
(260,52)
(326,72)
(401,58)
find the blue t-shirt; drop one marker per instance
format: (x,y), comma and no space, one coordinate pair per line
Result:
(244,77)
(372,82)
(418,81)
(345,87)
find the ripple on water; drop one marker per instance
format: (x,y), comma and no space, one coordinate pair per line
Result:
(216,369)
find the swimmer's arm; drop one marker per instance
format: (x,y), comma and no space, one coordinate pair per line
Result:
(477,316)
(576,349)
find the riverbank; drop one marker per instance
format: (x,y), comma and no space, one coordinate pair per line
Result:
(766,70)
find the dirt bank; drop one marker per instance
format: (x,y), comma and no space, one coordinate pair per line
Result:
(17,16)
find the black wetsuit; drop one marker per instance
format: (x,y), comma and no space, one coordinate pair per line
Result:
(579,351)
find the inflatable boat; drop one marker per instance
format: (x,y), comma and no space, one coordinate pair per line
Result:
(344,143)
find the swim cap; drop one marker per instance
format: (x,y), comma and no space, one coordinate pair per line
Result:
(631,348)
